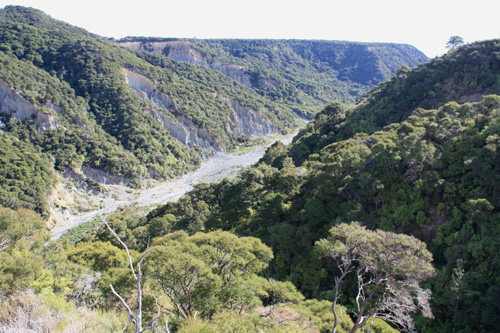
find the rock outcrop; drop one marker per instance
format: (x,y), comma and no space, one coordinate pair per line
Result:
(179,127)
(242,120)
(19,108)
(245,121)
(183,51)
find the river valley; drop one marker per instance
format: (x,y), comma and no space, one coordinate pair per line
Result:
(216,168)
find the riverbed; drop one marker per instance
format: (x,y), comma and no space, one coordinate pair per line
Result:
(216,168)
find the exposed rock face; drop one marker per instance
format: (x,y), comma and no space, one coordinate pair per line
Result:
(242,121)
(177,50)
(185,131)
(245,121)
(147,89)
(235,72)
(12,103)
(180,127)
(183,51)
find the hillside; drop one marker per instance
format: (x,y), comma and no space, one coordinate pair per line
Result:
(422,162)
(304,74)
(83,101)
(464,75)
(80,100)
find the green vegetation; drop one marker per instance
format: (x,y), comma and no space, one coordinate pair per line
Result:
(67,99)
(300,73)
(25,175)
(415,162)
(463,75)
(432,174)
(388,269)
(454,42)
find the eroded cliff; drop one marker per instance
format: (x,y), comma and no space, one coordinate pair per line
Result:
(17,107)
(242,121)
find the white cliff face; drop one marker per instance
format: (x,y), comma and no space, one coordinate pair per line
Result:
(183,51)
(12,103)
(235,72)
(180,127)
(245,121)
(177,50)
(242,120)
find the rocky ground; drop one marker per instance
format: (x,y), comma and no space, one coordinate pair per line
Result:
(216,168)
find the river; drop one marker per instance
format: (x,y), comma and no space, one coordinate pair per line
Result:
(216,168)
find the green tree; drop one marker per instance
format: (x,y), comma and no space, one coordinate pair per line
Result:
(206,273)
(388,269)
(454,42)
(18,224)
(22,239)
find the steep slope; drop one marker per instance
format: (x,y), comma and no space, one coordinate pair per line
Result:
(142,106)
(302,73)
(82,100)
(462,75)
(434,174)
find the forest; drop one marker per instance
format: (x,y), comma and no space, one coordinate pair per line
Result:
(381,216)
(68,94)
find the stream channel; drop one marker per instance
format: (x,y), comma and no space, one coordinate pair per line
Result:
(220,166)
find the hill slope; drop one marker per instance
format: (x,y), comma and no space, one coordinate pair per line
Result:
(463,75)
(81,100)
(434,173)
(302,73)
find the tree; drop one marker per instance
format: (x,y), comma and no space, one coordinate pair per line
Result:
(137,275)
(454,42)
(18,224)
(22,239)
(206,273)
(388,270)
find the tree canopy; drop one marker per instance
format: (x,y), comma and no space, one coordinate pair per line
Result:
(388,269)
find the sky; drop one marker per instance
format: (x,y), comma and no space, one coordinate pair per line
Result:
(425,24)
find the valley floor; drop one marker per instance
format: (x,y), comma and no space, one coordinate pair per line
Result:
(216,168)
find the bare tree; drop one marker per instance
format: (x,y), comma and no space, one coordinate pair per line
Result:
(388,268)
(137,273)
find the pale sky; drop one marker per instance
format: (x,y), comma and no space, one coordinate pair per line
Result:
(425,24)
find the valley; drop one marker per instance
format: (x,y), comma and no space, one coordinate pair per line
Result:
(222,165)
(248,185)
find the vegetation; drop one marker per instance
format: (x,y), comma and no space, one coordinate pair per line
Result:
(25,175)
(78,110)
(301,73)
(454,42)
(274,249)
(431,174)
(388,270)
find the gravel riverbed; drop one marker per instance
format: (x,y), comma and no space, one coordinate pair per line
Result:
(216,168)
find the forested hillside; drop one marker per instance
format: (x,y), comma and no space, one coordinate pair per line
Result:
(418,155)
(81,100)
(386,212)
(272,249)
(304,74)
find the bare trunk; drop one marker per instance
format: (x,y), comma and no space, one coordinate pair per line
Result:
(138,321)
(344,269)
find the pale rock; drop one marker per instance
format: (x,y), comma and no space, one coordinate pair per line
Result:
(14,104)
(245,121)
(180,128)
